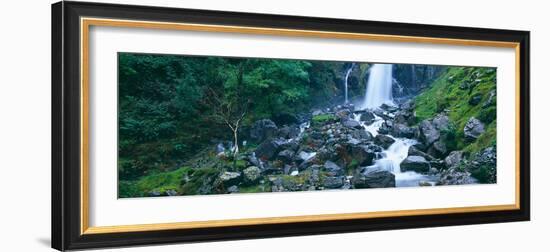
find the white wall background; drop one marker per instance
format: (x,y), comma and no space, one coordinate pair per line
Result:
(25,124)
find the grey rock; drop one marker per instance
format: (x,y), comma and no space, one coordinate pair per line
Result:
(262,130)
(352,124)
(438,149)
(414,151)
(428,133)
(455,177)
(453,159)
(401,130)
(415,163)
(473,129)
(286,155)
(491,100)
(367,117)
(373,178)
(363,154)
(383,140)
(317,112)
(230,178)
(441,122)
(343,114)
(233,189)
(361,134)
(267,149)
(252,175)
(333,182)
(288,132)
(475,99)
(332,168)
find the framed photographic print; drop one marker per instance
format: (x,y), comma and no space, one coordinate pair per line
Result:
(179,125)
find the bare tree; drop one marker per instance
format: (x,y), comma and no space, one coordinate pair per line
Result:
(229,111)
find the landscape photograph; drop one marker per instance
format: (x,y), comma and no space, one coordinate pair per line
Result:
(204,125)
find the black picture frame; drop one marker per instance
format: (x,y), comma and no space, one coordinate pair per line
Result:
(66,114)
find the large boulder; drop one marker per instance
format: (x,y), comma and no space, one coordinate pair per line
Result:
(473,129)
(441,122)
(373,178)
(333,169)
(428,133)
(268,148)
(454,177)
(363,154)
(262,130)
(384,141)
(438,149)
(415,163)
(404,117)
(453,159)
(333,182)
(414,151)
(343,114)
(367,117)
(288,132)
(251,175)
(401,130)
(361,134)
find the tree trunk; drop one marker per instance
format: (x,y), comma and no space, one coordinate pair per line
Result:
(235,149)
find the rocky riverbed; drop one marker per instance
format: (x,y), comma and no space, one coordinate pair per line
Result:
(343,147)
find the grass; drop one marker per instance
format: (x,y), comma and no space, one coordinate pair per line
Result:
(161,182)
(446,94)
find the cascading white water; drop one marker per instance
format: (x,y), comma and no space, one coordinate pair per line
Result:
(379,86)
(391,158)
(346,82)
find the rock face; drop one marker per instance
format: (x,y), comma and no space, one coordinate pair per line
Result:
(473,129)
(373,178)
(384,141)
(262,130)
(415,163)
(428,133)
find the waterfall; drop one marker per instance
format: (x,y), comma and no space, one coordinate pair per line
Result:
(379,86)
(346,82)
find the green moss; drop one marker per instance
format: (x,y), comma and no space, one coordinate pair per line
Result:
(451,93)
(201,181)
(160,182)
(323,118)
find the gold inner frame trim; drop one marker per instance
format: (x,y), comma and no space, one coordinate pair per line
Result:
(85,24)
